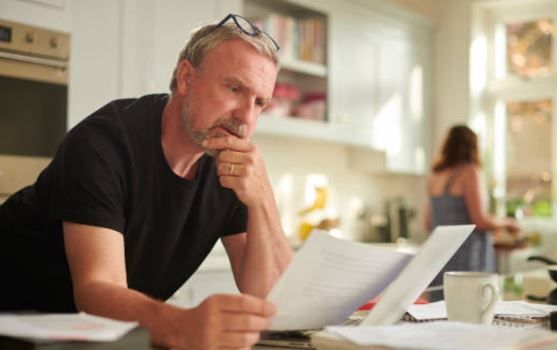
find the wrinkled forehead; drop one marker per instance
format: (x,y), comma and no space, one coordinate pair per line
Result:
(237,47)
(237,58)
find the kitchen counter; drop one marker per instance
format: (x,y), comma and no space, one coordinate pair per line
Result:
(539,225)
(217,260)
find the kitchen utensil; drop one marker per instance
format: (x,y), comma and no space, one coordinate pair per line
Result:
(399,214)
(550,299)
(552,265)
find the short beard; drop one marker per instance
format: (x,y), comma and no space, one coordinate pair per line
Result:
(197,136)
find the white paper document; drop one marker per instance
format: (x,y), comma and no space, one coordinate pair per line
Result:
(445,335)
(328,279)
(517,309)
(80,327)
(441,245)
(430,311)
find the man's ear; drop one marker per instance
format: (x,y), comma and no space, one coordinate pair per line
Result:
(184,75)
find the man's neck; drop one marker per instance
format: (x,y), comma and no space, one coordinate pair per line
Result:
(180,152)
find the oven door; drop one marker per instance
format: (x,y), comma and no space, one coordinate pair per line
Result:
(33,117)
(33,111)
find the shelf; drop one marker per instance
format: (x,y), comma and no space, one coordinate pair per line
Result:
(295,127)
(361,156)
(308,129)
(302,34)
(304,67)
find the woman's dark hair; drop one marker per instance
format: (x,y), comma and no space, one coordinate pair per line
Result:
(460,147)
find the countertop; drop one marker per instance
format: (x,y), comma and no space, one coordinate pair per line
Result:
(217,260)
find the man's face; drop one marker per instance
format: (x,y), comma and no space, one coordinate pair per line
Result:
(226,94)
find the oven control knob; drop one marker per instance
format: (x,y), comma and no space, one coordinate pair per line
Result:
(53,43)
(29,37)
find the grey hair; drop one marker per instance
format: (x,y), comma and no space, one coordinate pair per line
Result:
(210,36)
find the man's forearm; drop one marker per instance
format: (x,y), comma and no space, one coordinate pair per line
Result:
(267,250)
(109,300)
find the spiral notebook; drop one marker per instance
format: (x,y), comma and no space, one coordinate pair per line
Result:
(507,313)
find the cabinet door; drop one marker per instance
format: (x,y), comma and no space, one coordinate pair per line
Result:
(152,35)
(380,87)
(353,65)
(400,121)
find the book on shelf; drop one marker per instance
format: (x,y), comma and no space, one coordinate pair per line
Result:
(299,39)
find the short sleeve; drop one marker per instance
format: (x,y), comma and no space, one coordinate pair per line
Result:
(238,221)
(89,186)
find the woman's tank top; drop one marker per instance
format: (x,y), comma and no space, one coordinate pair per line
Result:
(476,253)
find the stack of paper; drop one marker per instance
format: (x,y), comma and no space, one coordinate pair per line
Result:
(80,327)
(432,336)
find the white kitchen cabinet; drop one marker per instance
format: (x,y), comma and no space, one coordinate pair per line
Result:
(380,83)
(376,72)
(402,119)
(128,48)
(153,33)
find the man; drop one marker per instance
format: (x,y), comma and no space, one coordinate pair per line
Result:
(139,192)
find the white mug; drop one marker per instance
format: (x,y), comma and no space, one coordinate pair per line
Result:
(471,296)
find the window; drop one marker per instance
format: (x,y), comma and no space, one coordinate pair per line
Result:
(514,93)
(528,155)
(528,46)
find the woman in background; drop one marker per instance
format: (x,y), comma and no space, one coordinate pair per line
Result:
(457,196)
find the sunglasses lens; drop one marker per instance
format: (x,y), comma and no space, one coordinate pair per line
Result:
(249,28)
(270,40)
(246,26)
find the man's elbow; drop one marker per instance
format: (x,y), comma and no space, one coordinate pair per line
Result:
(92,296)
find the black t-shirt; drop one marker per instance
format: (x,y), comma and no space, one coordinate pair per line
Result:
(110,171)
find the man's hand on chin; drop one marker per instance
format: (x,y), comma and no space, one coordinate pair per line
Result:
(241,168)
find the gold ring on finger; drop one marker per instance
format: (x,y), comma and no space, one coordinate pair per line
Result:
(231,169)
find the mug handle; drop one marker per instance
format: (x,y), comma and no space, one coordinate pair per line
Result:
(494,292)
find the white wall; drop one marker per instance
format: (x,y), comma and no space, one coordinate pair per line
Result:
(451,92)
(290,160)
(126,48)
(38,13)
(427,8)
(95,57)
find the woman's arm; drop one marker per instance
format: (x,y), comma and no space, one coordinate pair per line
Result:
(475,196)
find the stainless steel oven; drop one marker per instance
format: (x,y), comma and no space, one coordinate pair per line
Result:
(34,97)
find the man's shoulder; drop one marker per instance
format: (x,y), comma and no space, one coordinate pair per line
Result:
(147,104)
(122,114)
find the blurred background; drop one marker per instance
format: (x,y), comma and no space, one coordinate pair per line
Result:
(367,91)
